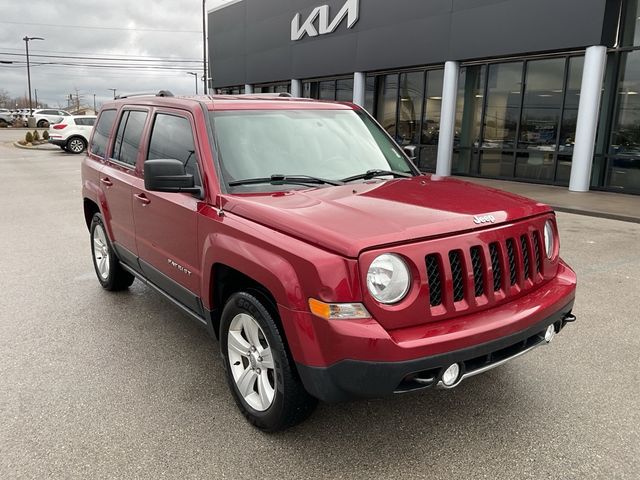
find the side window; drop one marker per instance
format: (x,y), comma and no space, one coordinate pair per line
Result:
(103,128)
(172,138)
(127,142)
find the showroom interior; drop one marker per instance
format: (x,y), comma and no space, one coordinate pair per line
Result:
(560,108)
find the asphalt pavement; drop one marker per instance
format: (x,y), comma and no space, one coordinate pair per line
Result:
(102,385)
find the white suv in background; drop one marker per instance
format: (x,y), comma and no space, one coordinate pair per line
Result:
(49,116)
(73,133)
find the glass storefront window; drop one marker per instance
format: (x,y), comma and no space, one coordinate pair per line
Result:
(503,105)
(410,111)
(470,99)
(496,163)
(432,107)
(541,105)
(572,100)
(370,94)
(625,134)
(328,90)
(631,24)
(344,90)
(535,165)
(387,101)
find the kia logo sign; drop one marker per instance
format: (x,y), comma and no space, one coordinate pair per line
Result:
(350,10)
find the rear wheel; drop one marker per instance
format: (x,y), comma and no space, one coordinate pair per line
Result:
(3,123)
(260,372)
(43,124)
(110,273)
(76,145)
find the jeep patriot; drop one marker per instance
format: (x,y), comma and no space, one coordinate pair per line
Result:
(305,239)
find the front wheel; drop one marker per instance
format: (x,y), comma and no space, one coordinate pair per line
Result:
(110,273)
(260,372)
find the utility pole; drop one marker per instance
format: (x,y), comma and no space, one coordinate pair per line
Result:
(35,90)
(204,44)
(196,77)
(26,46)
(94,104)
(114,90)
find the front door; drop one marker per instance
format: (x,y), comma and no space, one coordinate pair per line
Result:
(166,223)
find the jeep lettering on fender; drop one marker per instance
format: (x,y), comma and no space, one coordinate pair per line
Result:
(337,270)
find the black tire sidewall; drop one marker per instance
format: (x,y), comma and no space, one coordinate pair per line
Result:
(243,302)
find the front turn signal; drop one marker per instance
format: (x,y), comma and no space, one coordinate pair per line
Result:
(338,311)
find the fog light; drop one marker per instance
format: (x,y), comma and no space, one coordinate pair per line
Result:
(550,333)
(450,375)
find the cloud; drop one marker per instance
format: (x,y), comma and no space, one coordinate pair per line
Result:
(67,27)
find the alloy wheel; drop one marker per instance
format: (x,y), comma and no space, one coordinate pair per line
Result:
(101,251)
(76,145)
(251,362)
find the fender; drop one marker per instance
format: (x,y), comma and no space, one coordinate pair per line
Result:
(91,191)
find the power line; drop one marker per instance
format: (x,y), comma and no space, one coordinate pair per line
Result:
(102,54)
(58,25)
(100,58)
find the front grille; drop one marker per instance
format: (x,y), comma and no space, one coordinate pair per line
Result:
(495,265)
(434,278)
(511,261)
(536,251)
(456,273)
(525,256)
(513,276)
(478,271)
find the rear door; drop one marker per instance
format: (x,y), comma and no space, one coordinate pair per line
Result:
(116,179)
(166,223)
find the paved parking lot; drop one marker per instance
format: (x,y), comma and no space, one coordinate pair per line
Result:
(100,385)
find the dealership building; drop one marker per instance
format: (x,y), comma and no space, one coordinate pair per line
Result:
(544,91)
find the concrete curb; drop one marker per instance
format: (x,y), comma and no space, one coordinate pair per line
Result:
(592,213)
(45,148)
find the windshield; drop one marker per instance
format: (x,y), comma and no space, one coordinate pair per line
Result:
(327,144)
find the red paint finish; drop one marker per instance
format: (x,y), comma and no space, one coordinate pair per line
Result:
(319,243)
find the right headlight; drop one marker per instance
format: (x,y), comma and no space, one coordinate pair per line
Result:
(388,278)
(548,238)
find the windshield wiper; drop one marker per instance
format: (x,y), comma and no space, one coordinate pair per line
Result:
(376,173)
(279,179)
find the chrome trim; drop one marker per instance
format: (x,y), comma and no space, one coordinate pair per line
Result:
(491,366)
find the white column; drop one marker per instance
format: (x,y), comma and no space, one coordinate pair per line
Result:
(447,118)
(248,88)
(296,88)
(359,88)
(595,60)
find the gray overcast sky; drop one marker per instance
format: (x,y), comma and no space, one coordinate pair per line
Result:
(123,32)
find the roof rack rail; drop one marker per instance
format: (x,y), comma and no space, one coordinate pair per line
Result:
(161,93)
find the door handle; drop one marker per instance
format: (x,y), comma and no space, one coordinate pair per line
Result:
(142,198)
(107,182)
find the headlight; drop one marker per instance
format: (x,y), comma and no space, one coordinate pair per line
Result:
(388,278)
(548,238)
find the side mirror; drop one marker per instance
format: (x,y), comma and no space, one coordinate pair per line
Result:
(168,176)
(410,150)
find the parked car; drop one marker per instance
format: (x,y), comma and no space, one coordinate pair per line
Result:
(73,133)
(48,116)
(303,237)
(6,118)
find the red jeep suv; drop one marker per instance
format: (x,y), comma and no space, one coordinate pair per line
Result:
(301,236)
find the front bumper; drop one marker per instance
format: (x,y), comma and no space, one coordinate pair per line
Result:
(367,379)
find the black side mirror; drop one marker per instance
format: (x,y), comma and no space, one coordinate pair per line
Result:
(168,175)
(410,150)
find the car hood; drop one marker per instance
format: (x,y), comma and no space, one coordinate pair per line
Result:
(351,218)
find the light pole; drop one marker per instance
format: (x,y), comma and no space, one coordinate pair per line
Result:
(114,90)
(94,104)
(26,45)
(196,77)
(204,44)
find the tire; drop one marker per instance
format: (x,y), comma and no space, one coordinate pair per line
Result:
(269,393)
(76,145)
(110,273)
(43,124)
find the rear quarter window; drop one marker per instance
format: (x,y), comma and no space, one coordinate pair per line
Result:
(102,131)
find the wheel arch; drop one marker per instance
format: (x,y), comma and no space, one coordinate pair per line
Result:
(90,209)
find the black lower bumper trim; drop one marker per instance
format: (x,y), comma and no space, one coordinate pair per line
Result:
(350,379)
